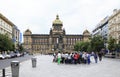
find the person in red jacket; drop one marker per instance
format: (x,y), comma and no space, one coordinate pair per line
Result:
(75,58)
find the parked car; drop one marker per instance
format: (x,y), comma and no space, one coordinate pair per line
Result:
(110,55)
(1,56)
(12,55)
(18,54)
(7,56)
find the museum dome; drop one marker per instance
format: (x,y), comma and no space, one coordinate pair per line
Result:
(57,21)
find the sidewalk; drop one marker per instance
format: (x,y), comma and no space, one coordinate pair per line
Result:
(8,72)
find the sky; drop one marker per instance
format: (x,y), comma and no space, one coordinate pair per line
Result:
(76,15)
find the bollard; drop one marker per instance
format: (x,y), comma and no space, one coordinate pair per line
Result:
(15,68)
(34,62)
(3,70)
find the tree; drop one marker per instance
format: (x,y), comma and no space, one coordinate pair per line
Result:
(77,46)
(5,43)
(89,49)
(81,46)
(97,43)
(111,44)
(117,47)
(20,48)
(84,46)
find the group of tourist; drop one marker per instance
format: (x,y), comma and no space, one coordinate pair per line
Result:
(76,58)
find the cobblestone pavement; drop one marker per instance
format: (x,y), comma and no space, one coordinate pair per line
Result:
(46,68)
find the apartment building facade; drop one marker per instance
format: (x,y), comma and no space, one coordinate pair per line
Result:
(7,27)
(102,30)
(114,25)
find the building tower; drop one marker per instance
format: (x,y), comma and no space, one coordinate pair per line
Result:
(28,41)
(86,35)
(57,34)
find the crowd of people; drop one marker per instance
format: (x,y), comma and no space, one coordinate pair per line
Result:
(77,57)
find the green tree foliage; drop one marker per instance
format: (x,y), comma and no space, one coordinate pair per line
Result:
(81,46)
(84,46)
(21,48)
(117,47)
(77,46)
(97,43)
(89,49)
(111,44)
(5,43)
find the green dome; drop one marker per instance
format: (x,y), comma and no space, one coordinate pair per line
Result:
(57,21)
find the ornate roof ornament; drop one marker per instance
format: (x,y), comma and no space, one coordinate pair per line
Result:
(86,32)
(57,21)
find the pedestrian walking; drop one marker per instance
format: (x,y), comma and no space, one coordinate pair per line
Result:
(55,56)
(100,56)
(95,57)
(63,57)
(84,56)
(88,58)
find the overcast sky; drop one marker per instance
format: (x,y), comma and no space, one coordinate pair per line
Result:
(38,15)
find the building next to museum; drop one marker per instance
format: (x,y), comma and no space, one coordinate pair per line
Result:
(109,27)
(9,28)
(56,40)
(114,25)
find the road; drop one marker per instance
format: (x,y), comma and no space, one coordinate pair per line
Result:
(6,62)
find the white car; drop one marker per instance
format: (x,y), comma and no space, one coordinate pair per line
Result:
(18,54)
(7,56)
(1,56)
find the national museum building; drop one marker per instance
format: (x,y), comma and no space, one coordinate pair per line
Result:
(56,40)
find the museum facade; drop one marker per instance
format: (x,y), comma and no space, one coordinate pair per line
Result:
(56,40)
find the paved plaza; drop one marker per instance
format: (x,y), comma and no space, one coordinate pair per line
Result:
(46,68)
